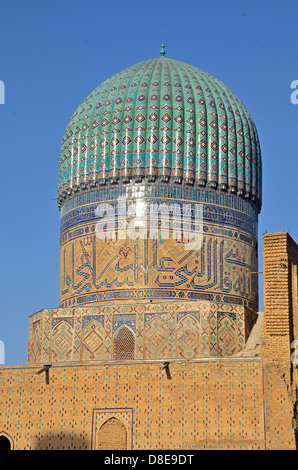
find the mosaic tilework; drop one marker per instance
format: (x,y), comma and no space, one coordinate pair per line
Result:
(96,270)
(62,338)
(162,119)
(180,193)
(158,331)
(226,332)
(92,337)
(229,218)
(156,337)
(188,335)
(206,404)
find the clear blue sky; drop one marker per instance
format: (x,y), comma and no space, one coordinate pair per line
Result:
(53,54)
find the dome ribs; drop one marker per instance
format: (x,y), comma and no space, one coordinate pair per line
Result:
(127,143)
(189,133)
(201,135)
(178,127)
(212,133)
(138,124)
(152,124)
(165,121)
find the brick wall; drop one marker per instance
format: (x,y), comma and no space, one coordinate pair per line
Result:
(196,404)
(280,261)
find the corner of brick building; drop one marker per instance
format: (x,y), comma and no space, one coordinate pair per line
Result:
(280,287)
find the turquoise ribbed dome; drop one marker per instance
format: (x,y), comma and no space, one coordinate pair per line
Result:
(166,121)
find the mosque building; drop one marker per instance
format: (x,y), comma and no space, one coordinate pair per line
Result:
(158,342)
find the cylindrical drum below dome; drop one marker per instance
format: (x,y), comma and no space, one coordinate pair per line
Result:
(156,242)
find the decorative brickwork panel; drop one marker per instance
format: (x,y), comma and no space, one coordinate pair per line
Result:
(161,330)
(62,339)
(156,334)
(93,339)
(124,345)
(226,334)
(188,337)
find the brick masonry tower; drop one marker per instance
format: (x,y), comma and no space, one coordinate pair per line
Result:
(280,344)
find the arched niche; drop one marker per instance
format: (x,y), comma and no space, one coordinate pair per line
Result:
(112,435)
(6,442)
(124,345)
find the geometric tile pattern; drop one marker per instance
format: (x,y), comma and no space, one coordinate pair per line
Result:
(226,333)
(147,331)
(156,338)
(166,119)
(188,336)
(92,338)
(62,339)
